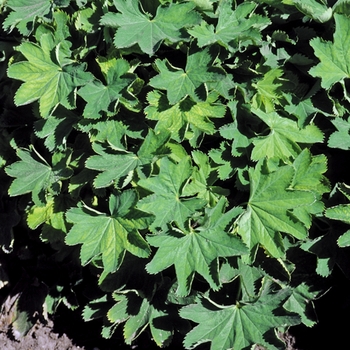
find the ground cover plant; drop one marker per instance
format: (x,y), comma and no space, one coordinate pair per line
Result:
(175,168)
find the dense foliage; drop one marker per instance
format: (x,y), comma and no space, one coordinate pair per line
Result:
(168,160)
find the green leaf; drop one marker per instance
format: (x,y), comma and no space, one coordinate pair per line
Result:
(344,239)
(282,141)
(234,27)
(48,81)
(167,202)
(340,138)
(109,235)
(138,313)
(103,98)
(55,129)
(25,14)
(186,113)
(203,179)
(270,210)
(334,57)
(339,212)
(197,250)
(300,302)
(192,81)
(31,175)
(118,167)
(268,91)
(238,326)
(313,9)
(135,27)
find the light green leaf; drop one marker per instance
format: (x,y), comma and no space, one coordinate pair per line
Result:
(237,326)
(178,117)
(192,81)
(49,82)
(335,62)
(282,141)
(197,250)
(109,235)
(136,27)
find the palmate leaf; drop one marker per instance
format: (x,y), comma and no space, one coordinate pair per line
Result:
(36,177)
(31,175)
(136,27)
(138,313)
(118,167)
(192,81)
(340,138)
(50,82)
(235,26)
(25,13)
(203,179)
(167,187)
(267,90)
(270,210)
(197,250)
(101,97)
(335,57)
(312,8)
(238,326)
(109,235)
(282,141)
(176,118)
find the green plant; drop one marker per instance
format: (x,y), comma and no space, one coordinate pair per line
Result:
(178,150)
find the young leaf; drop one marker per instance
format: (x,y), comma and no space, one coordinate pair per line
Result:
(270,209)
(176,118)
(166,202)
(50,82)
(334,57)
(197,250)
(192,81)
(135,27)
(237,326)
(109,235)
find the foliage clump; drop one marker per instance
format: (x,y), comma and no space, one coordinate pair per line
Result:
(176,153)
